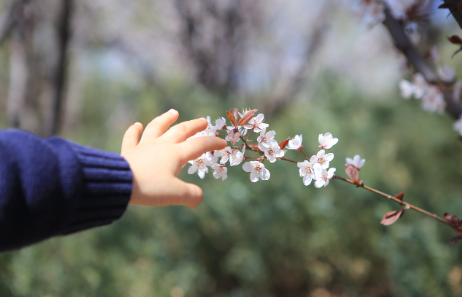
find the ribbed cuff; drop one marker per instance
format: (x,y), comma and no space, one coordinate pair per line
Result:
(105,192)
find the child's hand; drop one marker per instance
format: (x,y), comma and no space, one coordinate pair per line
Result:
(156,159)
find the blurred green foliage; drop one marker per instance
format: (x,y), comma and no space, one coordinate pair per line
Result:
(276,237)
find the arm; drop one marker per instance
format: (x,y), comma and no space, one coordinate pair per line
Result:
(55,187)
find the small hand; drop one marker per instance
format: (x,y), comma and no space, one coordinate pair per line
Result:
(156,159)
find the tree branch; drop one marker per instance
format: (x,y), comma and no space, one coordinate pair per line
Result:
(455,10)
(9,18)
(63,26)
(404,44)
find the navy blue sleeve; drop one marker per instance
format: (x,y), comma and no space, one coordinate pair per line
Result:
(54,187)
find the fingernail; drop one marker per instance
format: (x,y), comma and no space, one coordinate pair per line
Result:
(137,124)
(202,119)
(172,111)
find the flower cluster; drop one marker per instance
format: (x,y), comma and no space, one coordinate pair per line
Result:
(432,97)
(265,145)
(317,167)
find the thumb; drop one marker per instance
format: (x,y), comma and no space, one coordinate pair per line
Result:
(187,194)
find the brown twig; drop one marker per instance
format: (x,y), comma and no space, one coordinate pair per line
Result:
(304,154)
(407,205)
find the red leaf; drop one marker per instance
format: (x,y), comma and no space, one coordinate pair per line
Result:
(234,135)
(352,172)
(231,118)
(400,196)
(455,239)
(284,143)
(235,112)
(247,117)
(447,216)
(453,220)
(391,217)
(455,39)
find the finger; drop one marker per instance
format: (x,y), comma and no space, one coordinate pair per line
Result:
(187,194)
(131,137)
(194,148)
(159,125)
(183,131)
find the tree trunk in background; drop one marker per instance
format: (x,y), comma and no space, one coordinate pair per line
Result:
(53,111)
(38,69)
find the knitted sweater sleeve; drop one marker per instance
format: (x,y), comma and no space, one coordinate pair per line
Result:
(55,187)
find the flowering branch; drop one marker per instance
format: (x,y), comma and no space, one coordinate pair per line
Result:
(314,168)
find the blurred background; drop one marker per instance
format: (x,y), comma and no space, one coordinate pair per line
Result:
(88,69)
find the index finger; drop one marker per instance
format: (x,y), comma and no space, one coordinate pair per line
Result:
(184,130)
(194,148)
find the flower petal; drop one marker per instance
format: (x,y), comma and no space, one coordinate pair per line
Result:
(254,176)
(265,174)
(329,157)
(192,169)
(307,180)
(319,183)
(247,167)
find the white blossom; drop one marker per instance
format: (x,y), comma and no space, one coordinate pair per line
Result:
(433,100)
(236,157)
(256,123)
(307,171)
(326,141)
(209,131)
(220,123)
(417,88)
(266,140)
(295,143)
(322,158)
(273,152)
(446,73)
(200,165)
(372,12)
(458,126)
(224,154)
(220,171)
(323,177)
(257,171)
(406,88)
(357,161)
